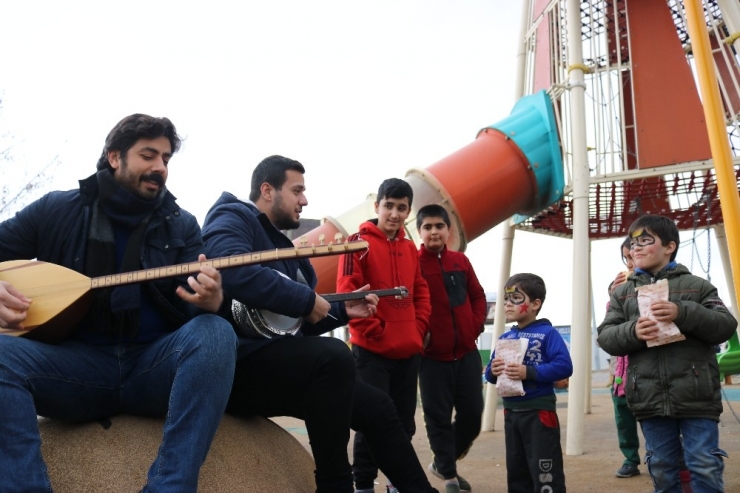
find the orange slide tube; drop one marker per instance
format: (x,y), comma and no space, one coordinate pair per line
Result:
(482,184)
(510,168)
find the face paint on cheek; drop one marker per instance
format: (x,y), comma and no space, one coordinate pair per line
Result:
(524,308)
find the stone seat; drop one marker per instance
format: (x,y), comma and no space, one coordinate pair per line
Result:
(247,455)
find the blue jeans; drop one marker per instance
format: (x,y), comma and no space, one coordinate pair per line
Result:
(184,376)
(701,451)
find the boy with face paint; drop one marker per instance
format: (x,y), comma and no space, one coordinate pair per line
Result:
(629,441)
(672,389)
(534,459)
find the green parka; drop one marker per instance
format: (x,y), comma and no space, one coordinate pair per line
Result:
(680,379)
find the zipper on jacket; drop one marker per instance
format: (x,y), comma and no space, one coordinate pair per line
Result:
(392,248)
(452,309)
(664,385)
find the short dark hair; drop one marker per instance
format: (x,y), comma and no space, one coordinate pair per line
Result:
(134,127)
(272,170)
(531,284)
(395,188)
(663,227)
(432,210)
(625,244)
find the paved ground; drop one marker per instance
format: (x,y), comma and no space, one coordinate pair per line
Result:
(593,471)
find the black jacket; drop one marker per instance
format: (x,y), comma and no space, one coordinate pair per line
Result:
(55,229)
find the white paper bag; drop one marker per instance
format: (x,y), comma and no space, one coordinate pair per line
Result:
(511,351)
(647,295)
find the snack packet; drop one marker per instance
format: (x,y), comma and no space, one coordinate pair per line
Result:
(646,295)
(511,351)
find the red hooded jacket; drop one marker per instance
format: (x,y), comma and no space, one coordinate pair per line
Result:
(458,304)
(399,326)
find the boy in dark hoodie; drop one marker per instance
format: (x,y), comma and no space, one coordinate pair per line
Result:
(534,459)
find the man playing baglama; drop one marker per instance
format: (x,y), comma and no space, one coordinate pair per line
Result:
(144,349)
(310,378)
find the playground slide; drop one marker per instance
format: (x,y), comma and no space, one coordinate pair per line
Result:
(512,168)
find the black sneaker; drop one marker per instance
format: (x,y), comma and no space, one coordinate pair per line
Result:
(627,471)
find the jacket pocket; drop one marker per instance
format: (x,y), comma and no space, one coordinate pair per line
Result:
(702,383)
(375,332)
(632,389)
(162,253)
(166,244)
(456,286)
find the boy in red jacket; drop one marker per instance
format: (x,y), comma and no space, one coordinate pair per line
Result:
(450,374)
(387,347)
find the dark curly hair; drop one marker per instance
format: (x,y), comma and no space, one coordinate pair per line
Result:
(134,127)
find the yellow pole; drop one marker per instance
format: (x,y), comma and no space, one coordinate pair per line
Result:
(718,140)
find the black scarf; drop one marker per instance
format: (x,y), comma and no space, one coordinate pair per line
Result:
(115,311)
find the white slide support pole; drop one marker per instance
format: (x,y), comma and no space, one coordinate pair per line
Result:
(724,255)
(580,328)
(507,234)
(731,15)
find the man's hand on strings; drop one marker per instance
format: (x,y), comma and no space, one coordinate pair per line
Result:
(364,308)
(207,292)
(320,310)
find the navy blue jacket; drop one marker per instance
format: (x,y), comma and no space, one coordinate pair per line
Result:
(234,227)
(55,228)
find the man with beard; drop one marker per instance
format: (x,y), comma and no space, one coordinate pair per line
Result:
(310,378)
(145,348)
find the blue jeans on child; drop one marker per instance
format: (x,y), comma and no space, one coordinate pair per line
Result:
(185,375)
(703,456)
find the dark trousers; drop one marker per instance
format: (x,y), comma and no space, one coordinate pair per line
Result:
(313,378)
(374,415)
(398,379)
(446,386)
(534,459)
(629,441)
(310,378)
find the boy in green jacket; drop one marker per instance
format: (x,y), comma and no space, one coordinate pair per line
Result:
(672,389)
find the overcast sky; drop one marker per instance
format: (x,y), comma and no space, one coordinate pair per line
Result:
(356,91)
